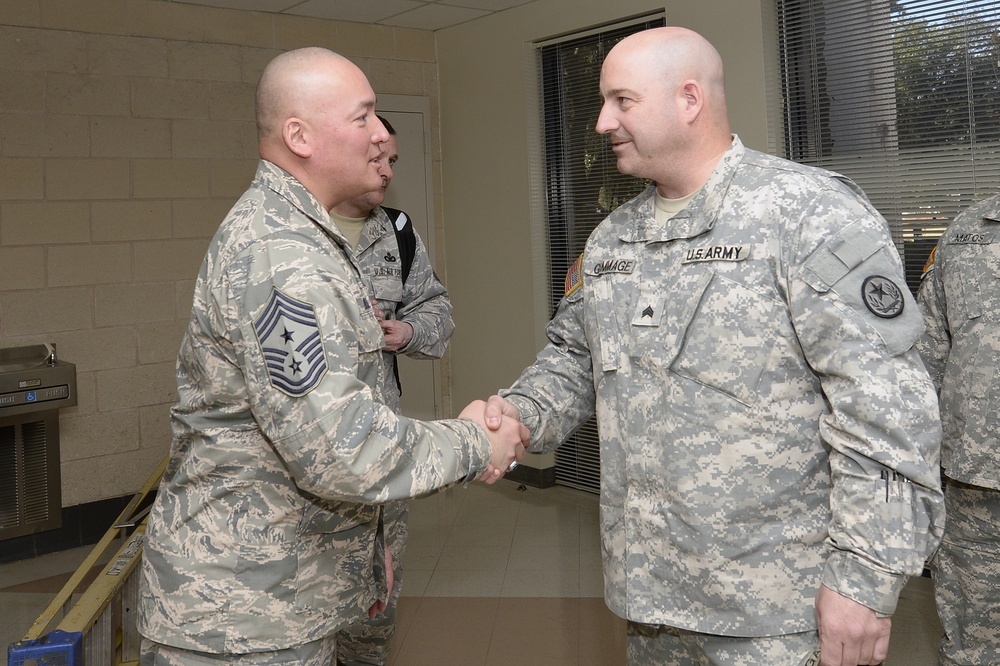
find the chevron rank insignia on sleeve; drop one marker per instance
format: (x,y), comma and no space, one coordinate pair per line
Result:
(289,336)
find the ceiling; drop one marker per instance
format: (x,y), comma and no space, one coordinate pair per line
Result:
(420,14)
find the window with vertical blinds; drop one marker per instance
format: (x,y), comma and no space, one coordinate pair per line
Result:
(582,185)
(903,97)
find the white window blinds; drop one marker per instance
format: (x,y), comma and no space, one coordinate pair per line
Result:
(582,185)
(902,97)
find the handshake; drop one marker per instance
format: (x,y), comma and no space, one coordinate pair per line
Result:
(508,436)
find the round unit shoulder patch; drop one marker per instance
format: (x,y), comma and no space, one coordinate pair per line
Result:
(882,296)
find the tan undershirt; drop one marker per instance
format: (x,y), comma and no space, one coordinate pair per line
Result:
(349,226)
(667,208)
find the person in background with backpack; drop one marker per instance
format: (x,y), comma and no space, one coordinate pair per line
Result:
(415,314)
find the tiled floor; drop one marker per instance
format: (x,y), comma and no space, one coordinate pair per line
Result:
(495,576)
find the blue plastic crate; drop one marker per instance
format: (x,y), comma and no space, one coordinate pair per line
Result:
(57,648)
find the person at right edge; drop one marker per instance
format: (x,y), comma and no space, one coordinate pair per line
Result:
(960,296)
(742,330)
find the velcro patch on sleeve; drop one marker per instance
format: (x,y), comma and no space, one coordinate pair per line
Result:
(574,276)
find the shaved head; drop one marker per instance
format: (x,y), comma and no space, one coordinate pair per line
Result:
(675,55)
(316,120)
(664,109)
(286,83)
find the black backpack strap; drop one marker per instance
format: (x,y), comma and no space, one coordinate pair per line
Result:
(406,240)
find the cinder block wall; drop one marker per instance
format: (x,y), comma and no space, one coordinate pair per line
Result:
(126,133)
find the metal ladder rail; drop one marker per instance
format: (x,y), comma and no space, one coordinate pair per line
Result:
(105,613)
(120,593)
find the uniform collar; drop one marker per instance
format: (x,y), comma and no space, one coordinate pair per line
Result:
(377,225)
(288,187)
(991,213)
(697,218)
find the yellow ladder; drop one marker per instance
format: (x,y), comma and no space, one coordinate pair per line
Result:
(99,628)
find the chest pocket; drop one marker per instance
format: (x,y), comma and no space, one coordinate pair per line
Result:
(603,317)
(727,340)
(388,288)
(973,293)
(974,290)
(370,341)
(369,336)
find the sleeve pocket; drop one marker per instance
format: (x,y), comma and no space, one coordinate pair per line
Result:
(845,265)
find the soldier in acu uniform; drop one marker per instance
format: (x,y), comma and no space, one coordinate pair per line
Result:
(960,297)
(769,436)
(266,536)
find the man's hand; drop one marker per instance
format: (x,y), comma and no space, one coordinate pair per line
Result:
(397,334)
(381,604)
(498,409)
(849,633)
(507,435)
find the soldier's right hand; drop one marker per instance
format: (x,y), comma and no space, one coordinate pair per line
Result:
(508,439)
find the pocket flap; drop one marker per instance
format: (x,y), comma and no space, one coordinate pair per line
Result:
(840,256)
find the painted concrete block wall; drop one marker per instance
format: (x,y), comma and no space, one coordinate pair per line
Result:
(126,133)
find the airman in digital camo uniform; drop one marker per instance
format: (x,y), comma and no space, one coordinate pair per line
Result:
(266,534)
(414,311)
